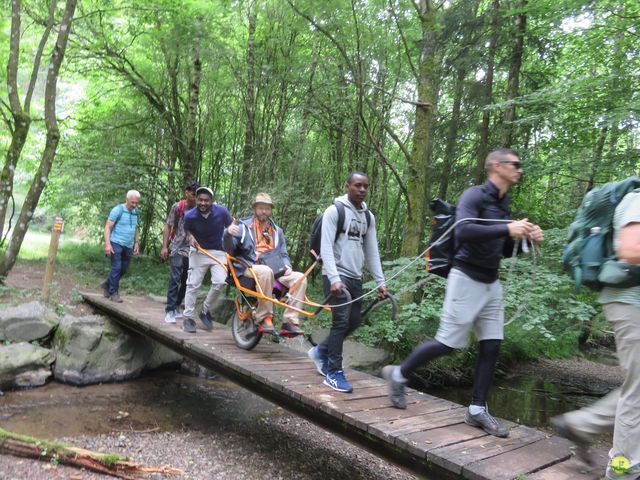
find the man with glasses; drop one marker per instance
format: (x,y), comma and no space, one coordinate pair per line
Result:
(473,297)
(260,242)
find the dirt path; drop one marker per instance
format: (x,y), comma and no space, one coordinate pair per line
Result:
(25,282)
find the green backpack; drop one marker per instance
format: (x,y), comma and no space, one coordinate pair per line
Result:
(589,257)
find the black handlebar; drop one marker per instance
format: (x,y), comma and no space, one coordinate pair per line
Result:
(379,301)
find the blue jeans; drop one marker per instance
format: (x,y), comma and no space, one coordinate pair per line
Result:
(344,320)
(179,265)
(120,259)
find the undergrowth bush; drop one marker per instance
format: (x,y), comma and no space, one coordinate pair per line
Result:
(547,317)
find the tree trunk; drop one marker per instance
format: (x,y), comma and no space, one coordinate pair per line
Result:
(417,169)
(18,139)
(597,158)
(190,163)
(300,155)
(452,132)
(51,144)
(249,132)
(513,84)
(44,450)
(483,144)
(20,114)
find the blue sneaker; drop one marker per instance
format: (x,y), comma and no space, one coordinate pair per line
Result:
(337,381)
(321,361)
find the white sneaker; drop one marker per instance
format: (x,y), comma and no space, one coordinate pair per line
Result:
(170,317)
(178,314)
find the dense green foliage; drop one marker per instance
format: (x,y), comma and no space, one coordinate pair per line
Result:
(290,108)
(289,96)
(541,324)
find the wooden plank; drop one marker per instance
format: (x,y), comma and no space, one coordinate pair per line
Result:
(267,366)
(381,401)
(428,438)
(391,429)
(455,457)
(575,469)
(319,387)
(323,399)
(369,416)
(292,377)
(421,443)
(520,462)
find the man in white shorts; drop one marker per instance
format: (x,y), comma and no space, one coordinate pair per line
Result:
(473,299)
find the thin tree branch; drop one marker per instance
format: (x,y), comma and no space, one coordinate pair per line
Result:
(394,96)
(384,158)
(5,118)
(14,59)
(404,39)
(38,57)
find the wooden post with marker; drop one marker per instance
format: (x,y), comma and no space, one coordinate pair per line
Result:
(51,257)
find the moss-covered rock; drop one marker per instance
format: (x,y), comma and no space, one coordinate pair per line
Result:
(24,365)
(94,349)
(26,322)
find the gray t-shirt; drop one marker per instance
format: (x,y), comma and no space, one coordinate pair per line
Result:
(628,211)
(179,244)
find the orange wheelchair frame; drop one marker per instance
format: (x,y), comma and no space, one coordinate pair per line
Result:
(246,332)
(244,329)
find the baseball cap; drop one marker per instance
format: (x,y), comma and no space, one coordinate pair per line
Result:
(204,190)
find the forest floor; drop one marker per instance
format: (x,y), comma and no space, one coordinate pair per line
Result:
(278,446)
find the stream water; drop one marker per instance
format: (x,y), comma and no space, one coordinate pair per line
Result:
(171,401)
(163,401)
(527,400)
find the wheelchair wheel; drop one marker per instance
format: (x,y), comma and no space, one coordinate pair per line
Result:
(244,330)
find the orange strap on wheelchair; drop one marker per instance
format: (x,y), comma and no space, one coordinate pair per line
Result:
(260,294)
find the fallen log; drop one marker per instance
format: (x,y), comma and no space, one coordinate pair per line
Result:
(57,452)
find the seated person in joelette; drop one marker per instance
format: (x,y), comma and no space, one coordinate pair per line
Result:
(261,243)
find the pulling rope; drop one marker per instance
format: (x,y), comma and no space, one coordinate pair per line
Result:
(442,238)
(525,248)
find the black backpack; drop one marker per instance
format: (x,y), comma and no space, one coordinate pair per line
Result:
(440,254)
(315,236)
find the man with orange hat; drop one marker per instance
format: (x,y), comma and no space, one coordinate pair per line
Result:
(260,243)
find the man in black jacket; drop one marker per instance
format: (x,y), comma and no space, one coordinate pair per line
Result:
(474,296)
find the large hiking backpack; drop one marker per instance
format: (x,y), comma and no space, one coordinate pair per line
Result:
(315,235)
(589,257)
(441,251)
(440,255)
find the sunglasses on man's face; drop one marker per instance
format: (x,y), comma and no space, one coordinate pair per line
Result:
(516,164)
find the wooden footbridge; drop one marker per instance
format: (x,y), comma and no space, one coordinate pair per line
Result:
(429,438)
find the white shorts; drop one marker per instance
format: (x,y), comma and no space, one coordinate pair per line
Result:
(469,303)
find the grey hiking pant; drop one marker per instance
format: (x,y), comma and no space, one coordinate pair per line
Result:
(199,263)
(620,409)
